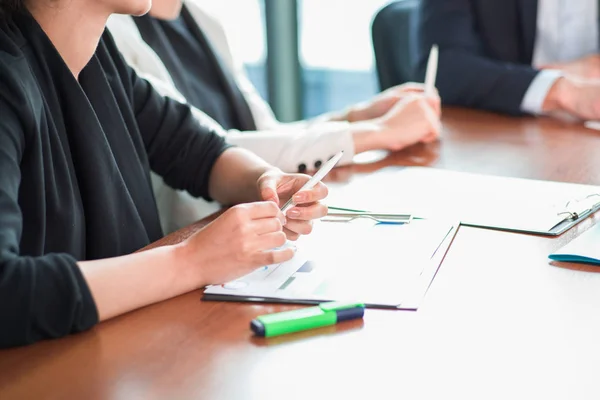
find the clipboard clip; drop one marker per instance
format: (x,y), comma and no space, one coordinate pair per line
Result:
(337,214)
(581,208)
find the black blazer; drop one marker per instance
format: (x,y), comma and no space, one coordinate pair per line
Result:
(75,160)
(486,50)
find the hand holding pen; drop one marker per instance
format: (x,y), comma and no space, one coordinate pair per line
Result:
(302,195)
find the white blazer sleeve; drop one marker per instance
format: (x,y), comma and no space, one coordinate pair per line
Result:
(298,150)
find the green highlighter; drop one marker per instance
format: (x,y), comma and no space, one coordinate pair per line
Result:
(324,314)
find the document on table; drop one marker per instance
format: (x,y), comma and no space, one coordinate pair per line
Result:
(522,205)
(381,265)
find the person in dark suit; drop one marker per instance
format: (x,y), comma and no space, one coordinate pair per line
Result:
(515,56)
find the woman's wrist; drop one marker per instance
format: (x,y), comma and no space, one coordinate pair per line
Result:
(187,260)
(367,136)
(235,175)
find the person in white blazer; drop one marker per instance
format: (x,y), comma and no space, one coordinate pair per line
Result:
(392,120)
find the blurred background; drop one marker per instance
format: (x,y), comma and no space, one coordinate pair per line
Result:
(320,60)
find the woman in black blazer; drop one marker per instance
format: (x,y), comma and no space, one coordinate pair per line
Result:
(79,134)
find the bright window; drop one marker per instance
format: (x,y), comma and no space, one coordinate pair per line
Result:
(336,53)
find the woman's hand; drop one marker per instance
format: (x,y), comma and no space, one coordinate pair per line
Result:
(243,238)
(412,120)
(278,187)
(383,102)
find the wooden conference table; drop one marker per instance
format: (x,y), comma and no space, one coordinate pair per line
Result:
(499,321)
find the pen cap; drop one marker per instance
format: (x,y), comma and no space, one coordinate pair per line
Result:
(344,311)
(348,314)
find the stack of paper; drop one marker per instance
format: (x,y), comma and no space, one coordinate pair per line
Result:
(389,266)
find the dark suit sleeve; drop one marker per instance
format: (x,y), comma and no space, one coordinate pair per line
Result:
(180,148)
(40,297)
(466,76)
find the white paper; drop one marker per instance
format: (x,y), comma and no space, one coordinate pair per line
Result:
(358,261)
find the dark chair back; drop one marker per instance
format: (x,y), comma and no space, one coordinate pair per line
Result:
(394,34)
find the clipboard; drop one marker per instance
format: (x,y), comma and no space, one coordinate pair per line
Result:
(576,212)
(387,266)
(484,201)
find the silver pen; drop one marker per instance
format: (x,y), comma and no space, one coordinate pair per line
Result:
(318,177)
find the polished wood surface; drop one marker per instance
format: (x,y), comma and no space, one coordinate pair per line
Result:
(499,322)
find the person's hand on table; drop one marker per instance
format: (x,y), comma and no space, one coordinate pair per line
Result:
(278,187)
(251,235)
(579,98)
(587,68)
(383,102)
(243,238)
(414,119)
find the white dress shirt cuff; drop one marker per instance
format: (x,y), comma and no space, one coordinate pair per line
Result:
(535,96)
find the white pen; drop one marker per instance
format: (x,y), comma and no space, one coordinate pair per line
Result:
(431,73)
(318,177)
